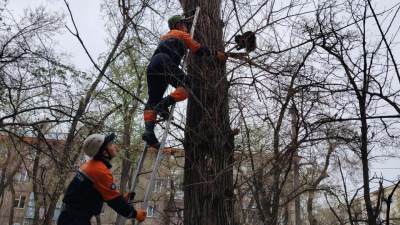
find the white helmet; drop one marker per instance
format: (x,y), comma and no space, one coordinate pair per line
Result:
(92,144)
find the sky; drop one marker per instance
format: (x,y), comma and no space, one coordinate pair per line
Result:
(90,24)
(88,20)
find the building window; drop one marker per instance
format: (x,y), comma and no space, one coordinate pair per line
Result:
(42,213)
(384,207)
(175,187)
(23,177)
(19,202)
(157,186)
(176,181)
(178,213)
(30,207)
(31,156)
(149,211)
(179,195)
(152,210)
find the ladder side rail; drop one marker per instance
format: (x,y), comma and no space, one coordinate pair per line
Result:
(139,168)
(135,180)
(196,15)
(150,186)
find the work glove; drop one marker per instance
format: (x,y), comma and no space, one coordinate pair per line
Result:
(130,195)
(221,57)
(141,215)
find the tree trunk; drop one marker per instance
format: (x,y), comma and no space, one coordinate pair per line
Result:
(310,207)
(11,218)
(35,186)
(296,167)
(364,126)
(128,114)
(389,202)
(6,180)
(286,216)
(365,166)
(126,163)
(166,218)
(208,178)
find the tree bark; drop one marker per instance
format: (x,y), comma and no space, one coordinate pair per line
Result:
(389,201)
(7,180)
(11,218)
(364,161)
(35,187)
(310,202)
(208,178)
(296,167)
(126,163)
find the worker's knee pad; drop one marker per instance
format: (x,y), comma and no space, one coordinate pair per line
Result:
(180,94)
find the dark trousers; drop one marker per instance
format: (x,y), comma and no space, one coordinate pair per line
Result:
(161,72)
(72,218)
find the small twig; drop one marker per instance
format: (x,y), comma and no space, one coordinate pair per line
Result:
(90,57)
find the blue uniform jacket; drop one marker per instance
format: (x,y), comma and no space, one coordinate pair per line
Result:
(93,185)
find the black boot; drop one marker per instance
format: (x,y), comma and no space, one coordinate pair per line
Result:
(162,107)
(149,135)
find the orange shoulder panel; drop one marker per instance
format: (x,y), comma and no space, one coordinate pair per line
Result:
(90,169)
(184,37)
(102,179)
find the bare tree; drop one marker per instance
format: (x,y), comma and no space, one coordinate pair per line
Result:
(208,178)
(127,17)
(358,56)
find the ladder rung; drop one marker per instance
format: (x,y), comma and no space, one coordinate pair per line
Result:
(145,172)
(136,201)
(173,210)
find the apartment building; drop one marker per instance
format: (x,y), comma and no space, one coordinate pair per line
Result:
(360,212)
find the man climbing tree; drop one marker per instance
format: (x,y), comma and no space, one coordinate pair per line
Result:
(164,69)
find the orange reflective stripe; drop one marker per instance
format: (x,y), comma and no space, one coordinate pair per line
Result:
(184,37)
(150,115)
(180,94)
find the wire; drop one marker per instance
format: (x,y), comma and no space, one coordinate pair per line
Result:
(386,168)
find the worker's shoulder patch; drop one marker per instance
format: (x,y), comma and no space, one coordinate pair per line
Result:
(113,187)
